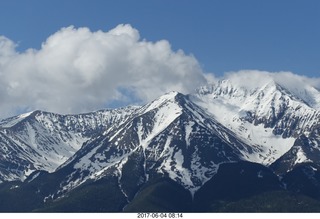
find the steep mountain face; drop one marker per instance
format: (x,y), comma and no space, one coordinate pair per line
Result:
(43,141)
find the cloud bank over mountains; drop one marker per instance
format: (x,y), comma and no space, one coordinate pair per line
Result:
(253,79)
(77,70)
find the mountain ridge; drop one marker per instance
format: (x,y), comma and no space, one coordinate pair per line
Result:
(181,137)
(44,136)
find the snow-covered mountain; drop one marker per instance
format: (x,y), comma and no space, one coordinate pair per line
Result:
(183,137)
(171,137)
(269,115)
(43,141)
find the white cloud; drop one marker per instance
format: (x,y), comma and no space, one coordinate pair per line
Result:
(255,78)
(7,49)
(79,70)
(249,78)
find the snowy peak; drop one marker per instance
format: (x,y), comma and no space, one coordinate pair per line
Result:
(265,102)
(166,99)
(9,122)
(263,109)
(247,83)
(308,95)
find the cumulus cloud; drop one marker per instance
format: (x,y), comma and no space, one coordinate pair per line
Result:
(78,70)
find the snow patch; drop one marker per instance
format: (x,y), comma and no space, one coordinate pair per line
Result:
(301,157)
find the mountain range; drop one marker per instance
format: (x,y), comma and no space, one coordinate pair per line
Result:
(228,146)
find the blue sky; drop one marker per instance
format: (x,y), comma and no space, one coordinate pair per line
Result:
(273,35)
(71,56)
